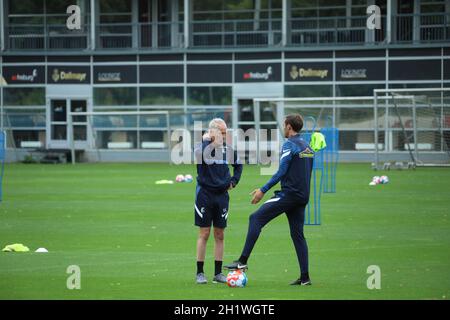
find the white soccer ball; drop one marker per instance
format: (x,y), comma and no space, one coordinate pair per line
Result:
(179,178)
(237,279)
(384,179)
(376,179)
(188,178)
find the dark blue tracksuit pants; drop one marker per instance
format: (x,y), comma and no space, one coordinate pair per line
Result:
(271,209)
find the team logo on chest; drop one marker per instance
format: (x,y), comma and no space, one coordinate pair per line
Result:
(307,153)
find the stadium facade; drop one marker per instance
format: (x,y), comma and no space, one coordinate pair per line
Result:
(198,59)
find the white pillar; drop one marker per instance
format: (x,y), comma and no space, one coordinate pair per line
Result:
(2,27)
(187,16)
(93,14)
(174,34)
(154,24)
(135,24)
(388,21)
(284,23)
(416,21)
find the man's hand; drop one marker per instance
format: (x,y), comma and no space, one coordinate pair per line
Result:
(207,137)
(231,186)
(257,195)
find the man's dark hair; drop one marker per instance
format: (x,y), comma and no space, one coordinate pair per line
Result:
(296,122)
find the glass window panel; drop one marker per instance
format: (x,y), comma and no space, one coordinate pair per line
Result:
(29,119)
(153,121)
(24,96)
(58,110)
(354,90)
(354,118)
(28,135)
(206,115)
(107,139)
(26,6)
(359,140)
(246,110)
(161,95)
(267,111)
(114,6)
(115,96)
(80,132)
(209,95)
(400,139)
(308,91)
(153,136)
(312,117)
(59,132)
(115,121)
(405,119)
(446,120)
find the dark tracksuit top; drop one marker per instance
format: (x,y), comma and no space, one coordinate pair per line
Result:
(294,172)
(213,171)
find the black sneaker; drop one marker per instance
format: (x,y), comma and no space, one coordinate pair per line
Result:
(301,282)
(236,265)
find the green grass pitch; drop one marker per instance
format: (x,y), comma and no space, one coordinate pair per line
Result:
(133,239)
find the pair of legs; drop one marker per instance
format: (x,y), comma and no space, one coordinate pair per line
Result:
(203,236)
(271,209)
(210,209)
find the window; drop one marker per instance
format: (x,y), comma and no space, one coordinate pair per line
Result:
(161,96)
(115,96)
(308,91)
(209,96)
(24,96)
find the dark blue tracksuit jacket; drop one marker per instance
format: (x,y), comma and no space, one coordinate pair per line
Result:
(213,172)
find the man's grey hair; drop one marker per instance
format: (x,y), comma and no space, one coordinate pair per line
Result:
(214,123)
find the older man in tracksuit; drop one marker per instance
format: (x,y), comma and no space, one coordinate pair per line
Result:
(213,156)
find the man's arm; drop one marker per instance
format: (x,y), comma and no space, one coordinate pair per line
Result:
(237,170)
(285,159)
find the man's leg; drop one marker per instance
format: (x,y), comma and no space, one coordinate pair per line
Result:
(296,218)
(203,236)
(267,212)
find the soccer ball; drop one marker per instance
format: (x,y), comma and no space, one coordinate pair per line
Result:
(179,178)
(384,179)
(376,179)
(236,279)
(188,178)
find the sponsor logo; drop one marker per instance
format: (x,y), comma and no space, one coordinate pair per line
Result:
(296,73)
(109,77)
(67,76)
(354,73)
(307,153)
(25,77)
(259,75)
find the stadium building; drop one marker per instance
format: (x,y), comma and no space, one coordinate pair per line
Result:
(191,60)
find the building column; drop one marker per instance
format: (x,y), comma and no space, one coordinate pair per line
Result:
(154,24)
(284,23)
(389,18)
(187,17)
(2,26)
(416,21)
(135,24)
(174,34)
(93,19)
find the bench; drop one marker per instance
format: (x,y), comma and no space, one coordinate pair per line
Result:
(31,144)
(153,145)
(120,145)
(368,146)
(420,146)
